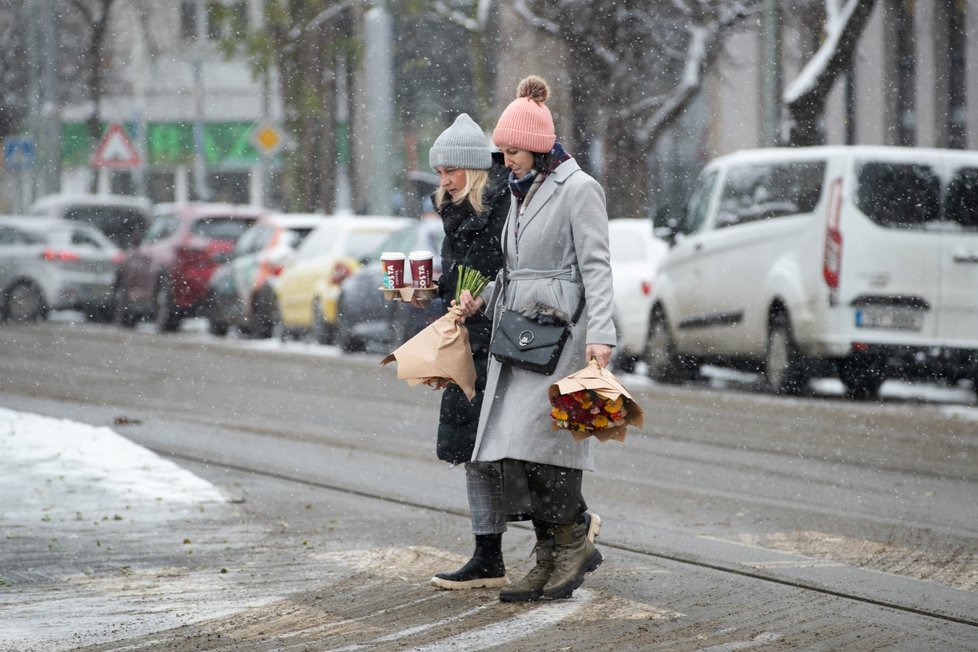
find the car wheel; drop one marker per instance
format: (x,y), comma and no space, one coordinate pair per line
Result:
(262,321)
(218,327)
(24,303)
(660,352)
(322,331)
(344,335)
(122,315)
(167,318)
(398,330)
(862,376)
(785,369)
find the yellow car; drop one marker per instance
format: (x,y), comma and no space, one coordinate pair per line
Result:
(309,287)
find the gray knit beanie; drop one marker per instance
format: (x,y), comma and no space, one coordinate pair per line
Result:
(463,145)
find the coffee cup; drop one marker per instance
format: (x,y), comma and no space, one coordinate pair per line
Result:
(393,264)
(421,268)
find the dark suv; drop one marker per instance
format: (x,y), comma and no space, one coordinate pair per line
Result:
(166,275)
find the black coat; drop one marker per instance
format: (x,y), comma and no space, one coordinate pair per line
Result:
(472,240)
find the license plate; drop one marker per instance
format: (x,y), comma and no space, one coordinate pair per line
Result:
(890,318)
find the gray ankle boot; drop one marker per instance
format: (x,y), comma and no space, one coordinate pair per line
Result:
(530,587)
(574,556)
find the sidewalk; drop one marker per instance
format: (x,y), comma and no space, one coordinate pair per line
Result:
(107,546)
(104,540)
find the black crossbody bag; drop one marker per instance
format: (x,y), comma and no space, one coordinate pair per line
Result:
(531,343)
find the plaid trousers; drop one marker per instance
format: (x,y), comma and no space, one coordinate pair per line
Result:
(484,485)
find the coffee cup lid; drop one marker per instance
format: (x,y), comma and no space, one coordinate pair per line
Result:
(420,255)
(392,255)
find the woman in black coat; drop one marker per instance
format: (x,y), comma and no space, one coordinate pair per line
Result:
(473,200)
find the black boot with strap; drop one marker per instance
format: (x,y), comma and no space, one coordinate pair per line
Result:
(484,570)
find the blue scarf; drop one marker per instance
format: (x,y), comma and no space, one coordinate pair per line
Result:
(520,186)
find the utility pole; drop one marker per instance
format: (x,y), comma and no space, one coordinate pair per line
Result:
(378,82)
(200,162)
(139,108)
(771,74)
(43,101)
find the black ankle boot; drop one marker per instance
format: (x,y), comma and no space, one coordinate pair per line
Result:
(484,570)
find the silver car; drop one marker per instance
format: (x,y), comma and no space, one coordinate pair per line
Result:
(50,264)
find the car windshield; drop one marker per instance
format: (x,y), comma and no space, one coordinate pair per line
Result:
(360,244)
(221,228)
(298,236)
(122,225)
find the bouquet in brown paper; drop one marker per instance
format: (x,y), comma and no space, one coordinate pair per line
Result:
(438,355)
(593,402)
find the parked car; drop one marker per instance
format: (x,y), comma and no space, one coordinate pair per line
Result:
(846,259)
(635,257)
(122,218)
(308,289)
(54,265)
(167,274)
(241,292)
(364,316)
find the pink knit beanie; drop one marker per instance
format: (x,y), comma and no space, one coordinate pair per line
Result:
(526,123)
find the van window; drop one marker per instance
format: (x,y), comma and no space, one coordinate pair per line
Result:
(961,199)
(899,195)
(766,191)
(698,204)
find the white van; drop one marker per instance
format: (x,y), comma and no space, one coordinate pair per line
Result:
(860,260)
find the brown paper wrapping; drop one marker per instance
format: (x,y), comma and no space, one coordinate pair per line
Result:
(439,351)
(604,383)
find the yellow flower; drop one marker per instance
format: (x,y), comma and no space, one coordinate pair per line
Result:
(615,405)
(558,414)
(600,421)
(584,399)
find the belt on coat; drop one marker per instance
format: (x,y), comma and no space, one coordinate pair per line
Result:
(572,274)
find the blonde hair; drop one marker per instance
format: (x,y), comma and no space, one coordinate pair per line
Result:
(475,186)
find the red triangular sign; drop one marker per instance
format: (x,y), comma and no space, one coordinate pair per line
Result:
(116,150)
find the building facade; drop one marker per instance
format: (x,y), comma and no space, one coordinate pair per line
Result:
(191,112)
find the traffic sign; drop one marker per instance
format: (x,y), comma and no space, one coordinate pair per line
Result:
(268,139)
(18,153)
(116,150)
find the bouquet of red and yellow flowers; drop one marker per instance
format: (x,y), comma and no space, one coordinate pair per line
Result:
(593,402)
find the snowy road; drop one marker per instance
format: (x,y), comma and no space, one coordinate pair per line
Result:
(734,521)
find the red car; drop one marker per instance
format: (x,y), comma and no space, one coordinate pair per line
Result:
(166,275)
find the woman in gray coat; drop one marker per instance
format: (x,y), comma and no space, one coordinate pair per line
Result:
(555,243)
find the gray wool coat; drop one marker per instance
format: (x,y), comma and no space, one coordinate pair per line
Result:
(561,251)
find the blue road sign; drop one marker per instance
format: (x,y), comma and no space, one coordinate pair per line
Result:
(18,153)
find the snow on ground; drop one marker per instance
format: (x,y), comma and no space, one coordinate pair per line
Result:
(58,451)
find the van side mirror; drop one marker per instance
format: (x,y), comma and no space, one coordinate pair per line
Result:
(664,225)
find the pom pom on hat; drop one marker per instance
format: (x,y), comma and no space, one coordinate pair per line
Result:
(463,145)
(526,123)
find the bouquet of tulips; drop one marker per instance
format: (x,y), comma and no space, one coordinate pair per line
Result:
(470,279)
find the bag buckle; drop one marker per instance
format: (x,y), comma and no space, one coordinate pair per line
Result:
(526,337)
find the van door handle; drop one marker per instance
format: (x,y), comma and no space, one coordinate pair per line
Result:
(966,258)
